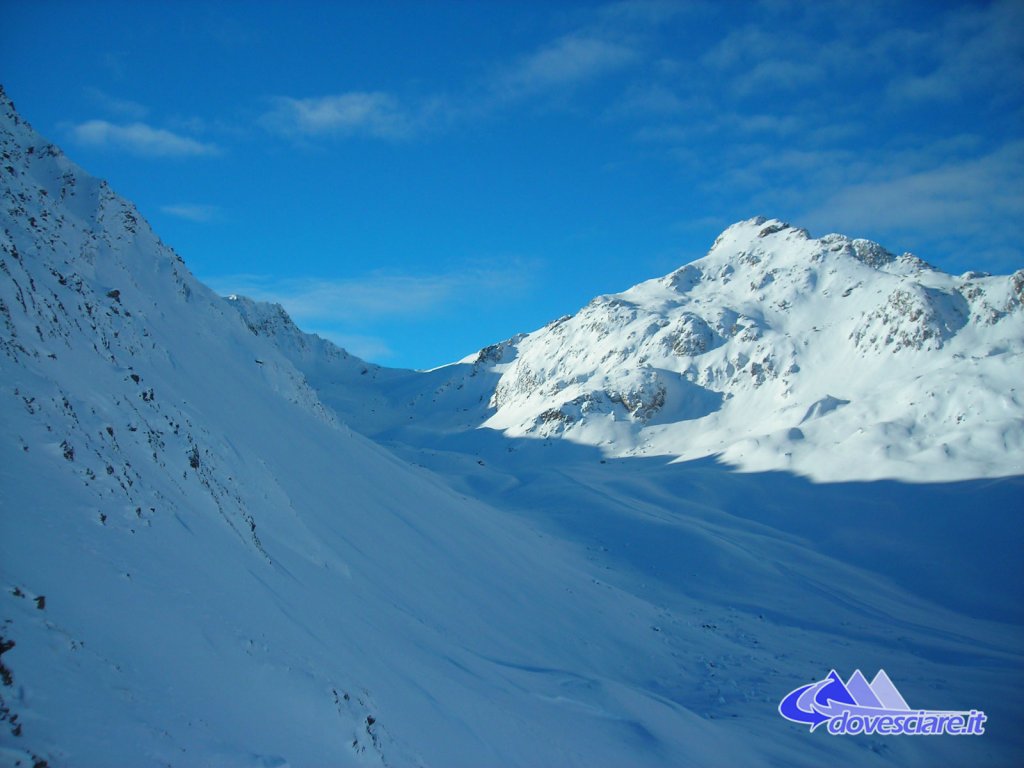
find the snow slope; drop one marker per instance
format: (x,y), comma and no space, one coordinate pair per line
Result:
(202,564)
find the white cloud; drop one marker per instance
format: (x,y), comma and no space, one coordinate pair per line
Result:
(568,61)
(191,211)
(742,125)
(649,99)
(969,210)
(323,302)
(365,347)
(978,195)
(365,113)
(139,139)
(647,12)
(125,108)
(773,75)
(758,59)
(959,49)
(595,49)
(344,309)
(977,49)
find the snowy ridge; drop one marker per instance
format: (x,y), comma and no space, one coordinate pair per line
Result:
(271,321)
(87,271)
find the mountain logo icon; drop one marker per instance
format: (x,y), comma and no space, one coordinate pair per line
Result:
(859,707)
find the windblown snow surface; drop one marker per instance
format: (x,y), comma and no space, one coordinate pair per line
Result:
(618,540)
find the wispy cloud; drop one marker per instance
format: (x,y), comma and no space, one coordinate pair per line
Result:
(646,12)
(979,196)
(352,311)
(568,61)
(366,347)
(139,139)
(559,65)
(317,302)
(366,113)
(646,99)
(756,58)
(126,108)
(977,48)
(191,211)
(942,56)
(848,126)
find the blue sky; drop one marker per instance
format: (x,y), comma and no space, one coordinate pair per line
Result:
(417,180)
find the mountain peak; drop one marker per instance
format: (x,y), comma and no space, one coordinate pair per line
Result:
(6,105)
(760,227)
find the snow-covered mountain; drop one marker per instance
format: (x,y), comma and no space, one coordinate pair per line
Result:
(777,350)
(204,560)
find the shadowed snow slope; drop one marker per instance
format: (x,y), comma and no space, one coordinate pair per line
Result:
(202,564)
